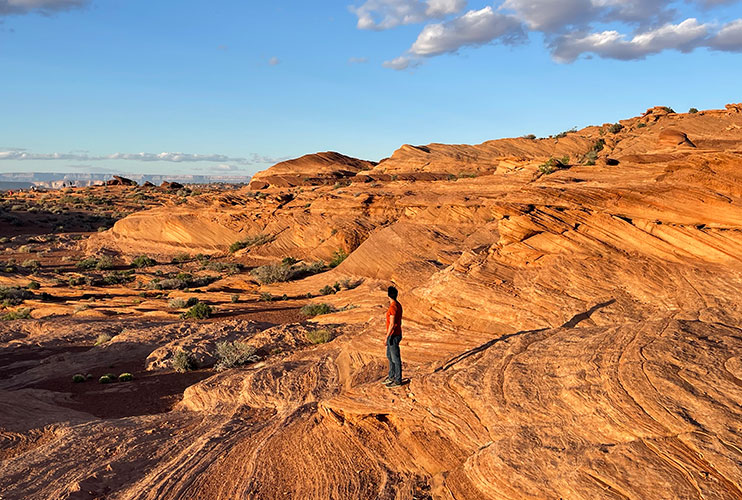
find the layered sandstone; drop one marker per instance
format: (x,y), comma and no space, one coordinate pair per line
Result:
(570,332)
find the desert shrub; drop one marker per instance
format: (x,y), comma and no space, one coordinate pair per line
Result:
(272,273)
(668,109)
(126,377)
(311,310)
(181,281)
(615,128)
(234,298)
(220,267)
(76,281)
(319,336)
(289,261)
(550,166)
(78,378)
(81,308)
(181,258)
(183,361)
(22,313)
(33,285)
(118,277)
(143,261)
(641,125)
(529,137)
(693,111)
(266,297)
(13,296)
(198,311)
(231,354)
(31,264)
(100,263)
(326,290)
(468,175)
(177,303)
(251,241)
(108,378)
(562,135)
(25,249)
(102,338)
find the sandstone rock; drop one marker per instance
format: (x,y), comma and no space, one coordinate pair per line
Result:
(674,138)
(120,181)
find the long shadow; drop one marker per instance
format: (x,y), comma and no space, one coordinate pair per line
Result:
(576,320)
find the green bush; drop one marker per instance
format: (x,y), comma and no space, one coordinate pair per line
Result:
(234,298)
(641,125)
(550,166)
(107,378)
(289,261)
(266,297)
(319,336)
(311,310)
(250,241)
(181,258)
(668,109)
(338,257)
(102,338)
(530,137)
(78,378)
(31,264)
(326,290)
(100,263)
(143,261)
(126,377)
(13,296)
(231,354)
(177,303)
(22,313)
(615,128)
(198,311)
(183,361)
(692,111)
(272,273)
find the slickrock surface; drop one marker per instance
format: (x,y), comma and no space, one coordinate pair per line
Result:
(570,332)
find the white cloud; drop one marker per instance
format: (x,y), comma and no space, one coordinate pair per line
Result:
(632,29)
(8,7)
(357,60)
(274,61)
(386,14)
(399,63)
(476,27)
(23,155)
(684,37)
(729,37)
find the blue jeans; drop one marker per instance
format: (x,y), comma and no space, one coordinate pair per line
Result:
(394,357)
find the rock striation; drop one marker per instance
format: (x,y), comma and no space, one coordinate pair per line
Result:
(573,329)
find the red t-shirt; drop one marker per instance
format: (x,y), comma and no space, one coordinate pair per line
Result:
(395,309)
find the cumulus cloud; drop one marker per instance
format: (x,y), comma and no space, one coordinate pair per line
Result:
(23,155)
(684,37)
(386,14)
(631,29)
(729,37)
(8,7)
(476,27)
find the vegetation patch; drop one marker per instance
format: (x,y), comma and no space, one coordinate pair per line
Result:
(126,377)
(102,338)
(311,310)
(78,378)
(251,241)
(198,311)
(232,354)
(108,378)
(143,261)
(319,336)
(338,257)
(100,263)
(183,361)
(22,313)
(13,296)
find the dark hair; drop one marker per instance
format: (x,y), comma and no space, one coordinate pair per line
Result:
(392,292)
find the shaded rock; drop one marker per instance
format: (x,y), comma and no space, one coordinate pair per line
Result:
(173,186)
(673,137)
(120,181)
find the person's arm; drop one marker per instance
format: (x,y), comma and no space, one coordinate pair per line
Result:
(390,328)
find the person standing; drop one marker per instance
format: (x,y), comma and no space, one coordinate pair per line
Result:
(393,337)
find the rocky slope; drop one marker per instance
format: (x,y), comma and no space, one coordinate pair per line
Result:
(572,330)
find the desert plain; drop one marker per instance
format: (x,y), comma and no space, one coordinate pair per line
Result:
(572,325)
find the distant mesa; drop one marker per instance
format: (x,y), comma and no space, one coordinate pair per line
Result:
(120,181)
(312,169)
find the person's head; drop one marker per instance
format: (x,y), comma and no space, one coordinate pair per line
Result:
(392,293)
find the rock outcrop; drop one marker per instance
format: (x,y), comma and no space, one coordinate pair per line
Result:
(572,330)
(310,170)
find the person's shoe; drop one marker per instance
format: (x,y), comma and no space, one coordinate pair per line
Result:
(394,383)
(386,381)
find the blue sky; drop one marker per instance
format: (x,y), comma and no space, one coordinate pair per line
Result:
(232,86)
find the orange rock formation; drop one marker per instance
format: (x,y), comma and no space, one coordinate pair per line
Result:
(573,330)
